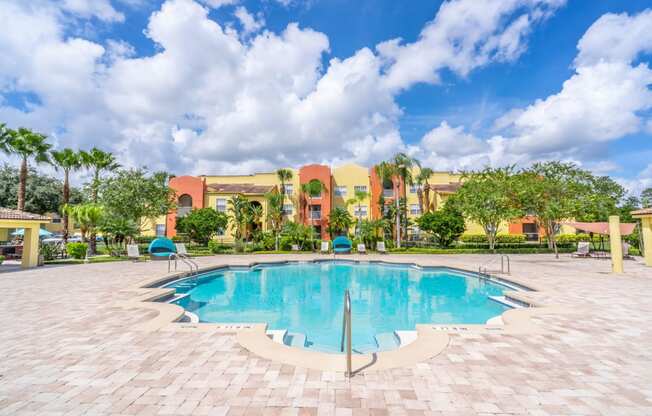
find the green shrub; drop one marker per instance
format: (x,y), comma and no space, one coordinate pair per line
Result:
(48,251)
(2,259)
(144,239)
(510,238)
(473,238)
(216,247)
(77,250)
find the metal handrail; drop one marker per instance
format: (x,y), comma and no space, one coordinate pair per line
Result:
(186,258)
(170,257)
(502,266)
(483,269)
(346,332)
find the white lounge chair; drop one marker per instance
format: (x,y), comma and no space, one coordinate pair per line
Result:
(362,249)
(295,247)
(626,247)
(181,249)
(582,249)
(132,252)
(380,247)
(325,247)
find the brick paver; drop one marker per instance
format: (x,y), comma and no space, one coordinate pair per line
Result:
(67,349)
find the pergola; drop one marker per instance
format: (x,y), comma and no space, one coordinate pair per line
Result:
(646,230)
(31,223)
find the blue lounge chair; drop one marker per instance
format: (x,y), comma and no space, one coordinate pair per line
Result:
(161,248)
(342,245)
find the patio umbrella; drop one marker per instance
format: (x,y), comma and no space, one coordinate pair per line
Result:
(601,227)
(41,233)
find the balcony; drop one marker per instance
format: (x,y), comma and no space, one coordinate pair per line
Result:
(388,193)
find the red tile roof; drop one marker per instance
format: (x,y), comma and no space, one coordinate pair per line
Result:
(13,214)
(644,211)
(446,188)
(240,188)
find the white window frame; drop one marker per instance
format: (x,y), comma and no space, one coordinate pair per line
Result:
(286,211)
(415,209)
(362,212)
(362,188)
(156,230)
(289,189)
(340,191)
(414,189)
(217,205)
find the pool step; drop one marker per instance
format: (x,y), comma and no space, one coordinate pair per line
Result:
(506,301)
(294,339)
(406,337)
(277,335)
(387,341)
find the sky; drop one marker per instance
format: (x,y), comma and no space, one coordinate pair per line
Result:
(239,86)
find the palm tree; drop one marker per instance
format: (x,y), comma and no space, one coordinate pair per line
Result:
(387,171)
(339,220)
(67,160)
(98,161)
(358,198)
(423,179)
(27,145)
(240,216)
(275,214)
(88,216)
(285,176)
(404,165)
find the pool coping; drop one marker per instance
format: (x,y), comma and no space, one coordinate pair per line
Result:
(431,339)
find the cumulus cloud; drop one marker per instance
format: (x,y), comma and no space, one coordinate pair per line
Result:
(250,23)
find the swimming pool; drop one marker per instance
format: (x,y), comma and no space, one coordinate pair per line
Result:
(306,300)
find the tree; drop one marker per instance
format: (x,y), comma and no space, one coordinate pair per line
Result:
(554,192)
(275,214)
(136,196)
(116,231)
(27,145)
(66,160)
(240,210)
(489,198)
(339,221)
(202,224)
(88,216)
(358,198)
(404,165)
(387,171)
(43,193)
(423,192)
(284,176)
(601,200)
(98,161)
(446,225)
(646,198)
(297,233)
(371,231)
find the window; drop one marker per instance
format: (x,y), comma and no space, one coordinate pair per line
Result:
(315,212)
(160,230)
(360,188)
(185,205)
(220,205)
(220,232)
(388,188)
(413,189)
(289,189)
(415,209)
(56,220)
(287,209)
(340,191)
(360,211)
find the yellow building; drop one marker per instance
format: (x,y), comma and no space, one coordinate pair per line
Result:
(31,224)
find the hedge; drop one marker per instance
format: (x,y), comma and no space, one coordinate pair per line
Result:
(499,250)
(500,238)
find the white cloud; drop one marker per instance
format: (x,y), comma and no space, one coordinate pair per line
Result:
(250,23)
(102,9)
(464,35)
(219,3)
(445,140)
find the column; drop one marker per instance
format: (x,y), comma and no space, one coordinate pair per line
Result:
(646,231)
(30,246)
(616,244)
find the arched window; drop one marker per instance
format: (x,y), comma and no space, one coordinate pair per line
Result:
(184,206)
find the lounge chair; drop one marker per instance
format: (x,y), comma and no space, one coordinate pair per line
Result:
(325,248)
(161,248)
(295,247)
(362,249)
(380,247)
(342,245)
(626,251)
(181,249)
(582,249)
(132,252)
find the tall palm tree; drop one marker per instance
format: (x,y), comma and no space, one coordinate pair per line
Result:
(240,216)
(275,214)
(358,198)
(66,160)
(339,220)
(285,176)
(27,145)
(98,161)
(404,165)
(423,179)
(387,171)
(88,216)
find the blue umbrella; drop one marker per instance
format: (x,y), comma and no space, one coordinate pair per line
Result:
(41,233)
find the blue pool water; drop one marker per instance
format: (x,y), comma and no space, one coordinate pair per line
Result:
(307,299)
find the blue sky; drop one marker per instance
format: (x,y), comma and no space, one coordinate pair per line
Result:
(187,86)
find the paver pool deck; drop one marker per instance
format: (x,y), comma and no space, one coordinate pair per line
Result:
(68,348)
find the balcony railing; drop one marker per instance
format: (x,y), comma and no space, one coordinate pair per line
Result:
(315,215)
(388,193)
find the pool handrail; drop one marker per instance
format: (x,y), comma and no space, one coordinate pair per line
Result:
(346,331)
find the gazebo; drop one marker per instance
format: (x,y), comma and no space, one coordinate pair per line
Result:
(31,224)
(646,230)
